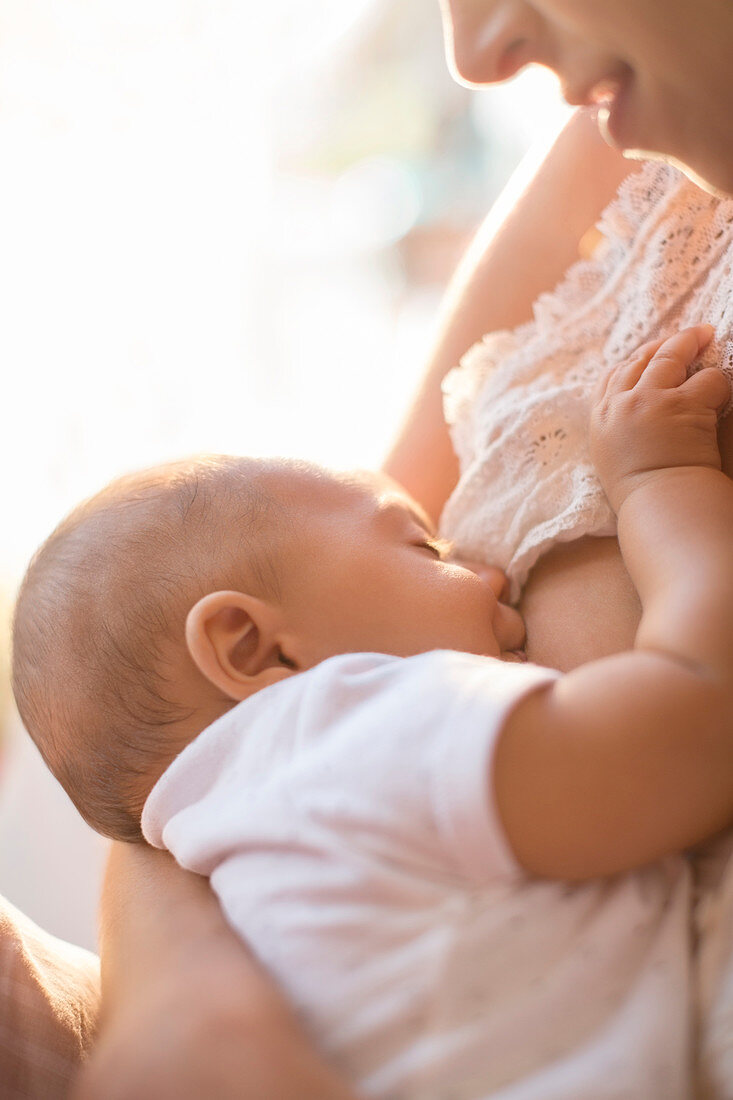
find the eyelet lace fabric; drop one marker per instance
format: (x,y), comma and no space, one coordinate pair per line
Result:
(518,405)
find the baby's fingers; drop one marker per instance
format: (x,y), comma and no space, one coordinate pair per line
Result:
(624,376)
(667,368)
(710,387)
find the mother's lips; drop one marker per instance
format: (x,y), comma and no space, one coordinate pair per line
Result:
(599,91)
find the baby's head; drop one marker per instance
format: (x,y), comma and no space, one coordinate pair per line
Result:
(180,591)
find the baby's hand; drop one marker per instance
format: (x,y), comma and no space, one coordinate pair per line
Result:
(648,415)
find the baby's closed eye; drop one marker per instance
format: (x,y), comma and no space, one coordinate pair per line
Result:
(440,548)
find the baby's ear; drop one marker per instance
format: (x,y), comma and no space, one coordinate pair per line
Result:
(233,640)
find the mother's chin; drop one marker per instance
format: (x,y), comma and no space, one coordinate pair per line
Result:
(710,171)
(694,139)
(710,175)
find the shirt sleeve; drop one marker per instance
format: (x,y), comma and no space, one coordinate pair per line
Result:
(462,762)
(368,761)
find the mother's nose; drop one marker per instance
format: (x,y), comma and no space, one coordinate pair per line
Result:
(489,40)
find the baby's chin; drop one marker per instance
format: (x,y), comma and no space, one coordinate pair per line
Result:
(516,656)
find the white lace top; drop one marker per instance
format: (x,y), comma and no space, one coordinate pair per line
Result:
(518,405)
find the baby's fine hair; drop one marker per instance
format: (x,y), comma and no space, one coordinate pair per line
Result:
(99,628)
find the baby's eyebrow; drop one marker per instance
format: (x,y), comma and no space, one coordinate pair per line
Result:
(399,504)
(423,519)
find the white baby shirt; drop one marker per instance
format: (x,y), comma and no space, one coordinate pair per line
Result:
(346,821)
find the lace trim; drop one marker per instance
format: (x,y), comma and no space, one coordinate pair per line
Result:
(521,433)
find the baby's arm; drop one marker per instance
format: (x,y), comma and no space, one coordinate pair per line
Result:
(631,758)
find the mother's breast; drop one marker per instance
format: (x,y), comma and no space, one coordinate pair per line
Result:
(579,604)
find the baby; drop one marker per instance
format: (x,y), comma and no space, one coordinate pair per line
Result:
(382,813)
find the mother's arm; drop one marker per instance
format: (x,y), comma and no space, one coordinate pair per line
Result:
(510,262)
(187,1012)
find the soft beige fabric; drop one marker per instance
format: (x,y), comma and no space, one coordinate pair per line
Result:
(49,999)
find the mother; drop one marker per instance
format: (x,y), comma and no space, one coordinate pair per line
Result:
(664,67)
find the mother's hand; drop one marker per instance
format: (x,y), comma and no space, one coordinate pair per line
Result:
(187,1012)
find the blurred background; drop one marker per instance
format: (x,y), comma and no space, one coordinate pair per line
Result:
(225,225)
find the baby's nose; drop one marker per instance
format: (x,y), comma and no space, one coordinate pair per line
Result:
(495,578)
